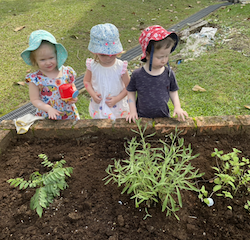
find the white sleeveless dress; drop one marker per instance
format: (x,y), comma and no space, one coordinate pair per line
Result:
(107,81)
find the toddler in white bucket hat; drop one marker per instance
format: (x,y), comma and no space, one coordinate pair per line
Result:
(106,76)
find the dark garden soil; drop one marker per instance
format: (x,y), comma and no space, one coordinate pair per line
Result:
(88,209)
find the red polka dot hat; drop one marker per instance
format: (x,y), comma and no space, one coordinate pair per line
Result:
(155,33)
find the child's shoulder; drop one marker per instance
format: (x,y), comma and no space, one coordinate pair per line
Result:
(138,71)
(33,76)
(33,73)
(68,69)
(121,61)
(121,64)
(90,60)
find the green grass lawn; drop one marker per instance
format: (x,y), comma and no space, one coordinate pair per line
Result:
(222,71)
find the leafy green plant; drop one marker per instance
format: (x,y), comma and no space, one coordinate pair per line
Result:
(155,174)
(48,185)
(232,173)
(247,206)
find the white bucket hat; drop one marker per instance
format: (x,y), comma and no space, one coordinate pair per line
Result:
(104,39)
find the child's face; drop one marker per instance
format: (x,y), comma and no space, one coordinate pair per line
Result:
(160,57)
(45,57)
(106,60)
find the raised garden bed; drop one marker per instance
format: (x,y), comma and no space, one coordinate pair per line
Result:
(88,209)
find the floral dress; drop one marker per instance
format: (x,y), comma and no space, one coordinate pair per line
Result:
(49,92)
(107,81)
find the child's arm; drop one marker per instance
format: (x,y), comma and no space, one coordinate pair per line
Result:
(38,103)
(87,83)
(133,112)
(177,106)
(112,100)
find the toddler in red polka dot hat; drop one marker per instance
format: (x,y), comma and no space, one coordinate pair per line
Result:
(152,85)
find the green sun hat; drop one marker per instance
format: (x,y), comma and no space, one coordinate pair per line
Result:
(35,41)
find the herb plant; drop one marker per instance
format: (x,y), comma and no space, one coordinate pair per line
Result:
(47,186)
(232,173)
(155,175)
(247,206)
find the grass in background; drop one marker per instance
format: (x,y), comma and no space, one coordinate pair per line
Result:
(225,76)
(70,22)
(222,70)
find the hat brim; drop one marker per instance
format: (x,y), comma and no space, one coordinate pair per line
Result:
(61,53)
(98,48)
(108,54)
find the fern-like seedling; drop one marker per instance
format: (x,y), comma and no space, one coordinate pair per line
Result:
(47,186)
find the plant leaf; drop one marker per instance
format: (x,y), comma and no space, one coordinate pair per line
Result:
(217,188)
(179,196)
(39,211)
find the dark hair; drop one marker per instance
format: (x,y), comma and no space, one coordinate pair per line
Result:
(164,43)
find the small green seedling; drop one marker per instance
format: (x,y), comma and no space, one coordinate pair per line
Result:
(47,186)
(230,207)
(231,173)
(203,196)
(247,206)
(147,214)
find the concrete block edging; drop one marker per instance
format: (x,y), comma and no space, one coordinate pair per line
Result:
(67,129)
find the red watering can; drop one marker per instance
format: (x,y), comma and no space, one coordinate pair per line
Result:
(67,92)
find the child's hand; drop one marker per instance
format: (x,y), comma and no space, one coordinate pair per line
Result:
(132,116)
(111,101)
(53,113)
(97,97)
(180,113)
(73,100)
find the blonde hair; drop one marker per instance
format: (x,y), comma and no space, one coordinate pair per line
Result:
(96,59)
(33,53)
